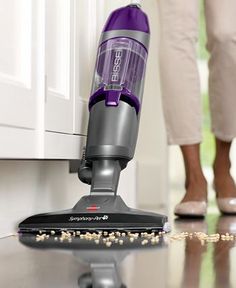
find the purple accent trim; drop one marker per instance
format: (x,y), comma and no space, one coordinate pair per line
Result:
(128,18)
(96,96)
(131,99)
(112,98)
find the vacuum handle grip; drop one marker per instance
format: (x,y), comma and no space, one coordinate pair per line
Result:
(138,2)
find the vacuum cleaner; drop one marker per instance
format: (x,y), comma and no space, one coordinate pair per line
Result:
(114,105)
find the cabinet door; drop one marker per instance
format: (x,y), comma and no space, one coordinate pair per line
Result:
(18,63)
(59,53)
(89,22)
(72,32)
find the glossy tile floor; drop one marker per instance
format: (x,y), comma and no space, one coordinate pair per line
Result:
(170,263)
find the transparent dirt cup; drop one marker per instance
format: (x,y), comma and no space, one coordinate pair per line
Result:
(120,65)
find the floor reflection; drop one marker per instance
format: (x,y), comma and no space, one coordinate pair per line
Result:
(103,266)
(103,262)
(222,264)
(173,262)
(208,264)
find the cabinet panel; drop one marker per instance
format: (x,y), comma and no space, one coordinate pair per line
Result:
(89,22)
(72,32)
(18,65)
(17,143)
(61,146)
(58,47)
(59,65)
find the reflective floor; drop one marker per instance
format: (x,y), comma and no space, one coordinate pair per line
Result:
(177,260)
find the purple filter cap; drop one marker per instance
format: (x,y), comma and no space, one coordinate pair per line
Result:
(128,18)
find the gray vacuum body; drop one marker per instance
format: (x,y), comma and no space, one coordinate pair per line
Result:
(112,132)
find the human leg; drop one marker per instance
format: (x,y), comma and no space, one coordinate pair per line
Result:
(179,72)
(221,30)
(181,92)
(195,184)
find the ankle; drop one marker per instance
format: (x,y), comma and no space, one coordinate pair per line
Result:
(195,193)
(225,186)
(222,180)
(222,163)
(221,169)
(197,180)
(196,190)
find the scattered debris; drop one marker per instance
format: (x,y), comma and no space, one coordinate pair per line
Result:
(110,238)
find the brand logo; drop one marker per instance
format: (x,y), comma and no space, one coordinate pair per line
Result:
(116,65)
(88,218)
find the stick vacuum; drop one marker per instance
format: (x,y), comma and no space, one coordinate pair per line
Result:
(114,106)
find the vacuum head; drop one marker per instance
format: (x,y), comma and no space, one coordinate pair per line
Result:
(97,213)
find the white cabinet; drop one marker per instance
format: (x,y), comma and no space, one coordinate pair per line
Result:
(72,32)
(59,52)
(47,56)
(88,26)
(18,63)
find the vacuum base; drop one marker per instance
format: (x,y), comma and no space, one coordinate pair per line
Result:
(96,213)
